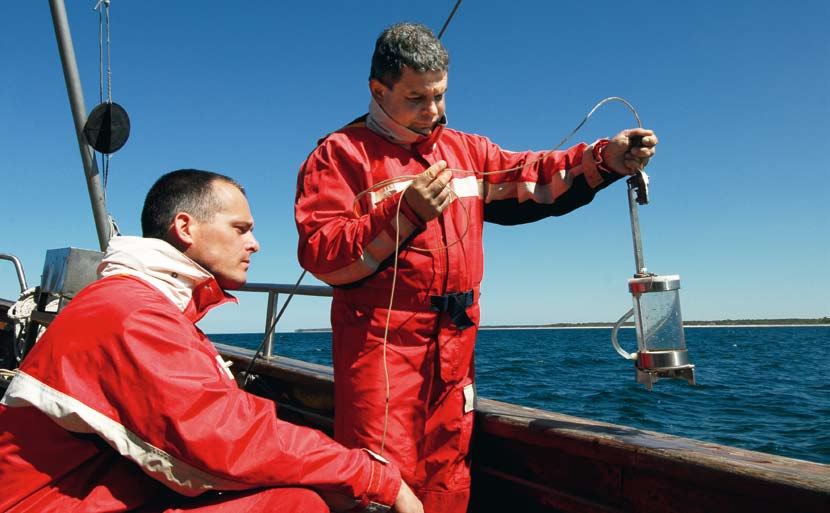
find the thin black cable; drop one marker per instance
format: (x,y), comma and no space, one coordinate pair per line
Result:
(441,33)
(109,62)
(100,57)
(101,76)
(270,330)
(105,158)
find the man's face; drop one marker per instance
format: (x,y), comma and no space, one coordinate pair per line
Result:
(223,245)
(415,101)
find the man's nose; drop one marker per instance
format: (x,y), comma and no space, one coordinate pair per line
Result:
(253,244)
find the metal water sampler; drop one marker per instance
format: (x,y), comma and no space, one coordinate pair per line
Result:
(661,342)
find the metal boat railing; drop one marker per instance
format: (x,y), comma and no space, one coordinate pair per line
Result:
(18,267)
(274,290)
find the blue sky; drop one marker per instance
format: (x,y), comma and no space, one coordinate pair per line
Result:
(736,92)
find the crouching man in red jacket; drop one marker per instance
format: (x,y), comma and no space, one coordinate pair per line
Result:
(125,405)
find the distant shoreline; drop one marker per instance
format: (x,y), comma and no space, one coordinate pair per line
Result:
(744,323)
(592,327)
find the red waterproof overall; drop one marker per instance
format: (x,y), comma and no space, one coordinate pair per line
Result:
(427,360)
(125,405)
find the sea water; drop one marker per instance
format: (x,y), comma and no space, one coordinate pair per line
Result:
(760,388)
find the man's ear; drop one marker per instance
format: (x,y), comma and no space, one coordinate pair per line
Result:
(377,89)
(181,231)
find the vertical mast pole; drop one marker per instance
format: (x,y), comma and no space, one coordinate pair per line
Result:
(76,102)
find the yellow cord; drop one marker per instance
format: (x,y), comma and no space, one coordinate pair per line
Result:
(403,178)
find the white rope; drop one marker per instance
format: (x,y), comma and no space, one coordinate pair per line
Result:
(20,313)
(113,226)
(22,309)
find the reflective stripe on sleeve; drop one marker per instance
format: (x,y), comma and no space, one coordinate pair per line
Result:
(544,194)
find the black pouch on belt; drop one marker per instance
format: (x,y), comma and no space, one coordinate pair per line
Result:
(455,304)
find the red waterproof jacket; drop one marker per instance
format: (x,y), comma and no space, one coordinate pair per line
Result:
(124,401)
(343,242)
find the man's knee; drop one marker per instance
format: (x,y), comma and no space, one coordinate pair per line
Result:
(266,500)
(299,500)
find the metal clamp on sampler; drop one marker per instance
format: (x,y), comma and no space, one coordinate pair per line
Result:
(661,342)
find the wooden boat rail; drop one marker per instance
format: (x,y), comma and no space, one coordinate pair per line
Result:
(525,459)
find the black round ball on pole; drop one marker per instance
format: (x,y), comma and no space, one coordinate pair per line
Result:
(107,127)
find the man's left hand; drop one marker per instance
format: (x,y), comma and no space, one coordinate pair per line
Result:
(629,151)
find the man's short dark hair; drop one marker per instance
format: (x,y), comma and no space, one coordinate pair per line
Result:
(407,44)
(185,190)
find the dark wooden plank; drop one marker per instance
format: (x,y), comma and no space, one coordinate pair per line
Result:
(678,474)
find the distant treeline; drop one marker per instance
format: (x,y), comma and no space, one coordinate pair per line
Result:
(820,320)
(723,322)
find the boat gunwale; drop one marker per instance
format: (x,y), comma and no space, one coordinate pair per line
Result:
(686,458)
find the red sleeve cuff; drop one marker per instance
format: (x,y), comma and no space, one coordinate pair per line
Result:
(384,485)
(411,215)
(593,163)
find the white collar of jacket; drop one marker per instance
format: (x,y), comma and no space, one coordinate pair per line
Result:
(379,122)
(187,284)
